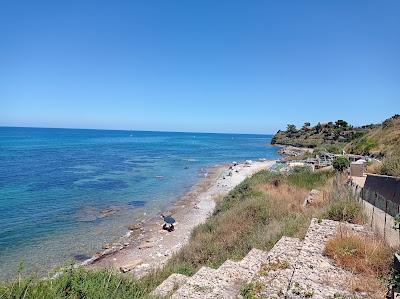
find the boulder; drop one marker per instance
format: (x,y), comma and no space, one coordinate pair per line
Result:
(315,196)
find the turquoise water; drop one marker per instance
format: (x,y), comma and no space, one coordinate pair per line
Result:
(64,192)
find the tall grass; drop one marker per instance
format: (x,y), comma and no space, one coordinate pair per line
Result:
(304,178)
(343,204)
(76,283)
(391,165)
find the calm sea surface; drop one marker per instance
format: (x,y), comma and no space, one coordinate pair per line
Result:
(64,192)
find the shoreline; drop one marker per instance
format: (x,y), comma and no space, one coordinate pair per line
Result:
(150,246)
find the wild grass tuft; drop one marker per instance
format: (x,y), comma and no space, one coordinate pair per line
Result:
(391,165)
(76,283)
(369,257)
(305,178)
(343,204)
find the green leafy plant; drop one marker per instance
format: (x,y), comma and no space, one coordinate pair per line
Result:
(340,163)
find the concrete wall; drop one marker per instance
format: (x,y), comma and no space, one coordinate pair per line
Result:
(380,221)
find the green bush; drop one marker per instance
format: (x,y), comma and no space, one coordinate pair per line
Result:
(344,210)
(305,178)
(362,146)
(340,163)
(76,283)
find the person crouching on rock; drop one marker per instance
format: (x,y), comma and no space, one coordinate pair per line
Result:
(169,223)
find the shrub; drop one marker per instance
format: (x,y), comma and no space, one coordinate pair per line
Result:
(305,178)
(391,165)
(340,163)
(374,167)
(368,257)
(360,254)
(344,210)
(334,148)
(362,146)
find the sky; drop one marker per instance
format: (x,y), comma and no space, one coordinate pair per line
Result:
(202,66)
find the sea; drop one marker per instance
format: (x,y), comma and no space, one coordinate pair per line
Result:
(66,192)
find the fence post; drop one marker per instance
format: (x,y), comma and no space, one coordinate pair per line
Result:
(384,228)
(373,210)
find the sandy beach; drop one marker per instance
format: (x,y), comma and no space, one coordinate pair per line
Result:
(150,246)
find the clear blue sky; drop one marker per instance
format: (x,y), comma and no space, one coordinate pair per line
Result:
(213,66)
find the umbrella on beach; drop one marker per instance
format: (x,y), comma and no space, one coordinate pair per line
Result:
(168,219)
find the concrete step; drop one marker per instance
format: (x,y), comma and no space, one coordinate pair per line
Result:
(227,280)
(199,285)
(316,275)
(275,273)
(170,285)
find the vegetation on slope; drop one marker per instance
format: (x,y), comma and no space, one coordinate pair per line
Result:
(378,140)
(368,257)
(76,283)
(256,214)
(331,135)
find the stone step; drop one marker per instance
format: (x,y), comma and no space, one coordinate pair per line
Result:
(316,275)
(170,285)
(199,285)
(236,270)
(275,273)
(254,258)
(226,281)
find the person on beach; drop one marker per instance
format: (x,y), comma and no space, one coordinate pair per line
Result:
(168,223)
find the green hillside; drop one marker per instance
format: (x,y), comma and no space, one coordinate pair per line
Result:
(380,140)
(376,139)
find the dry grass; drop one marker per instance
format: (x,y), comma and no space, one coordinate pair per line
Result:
(375,167)
(360,254)
(369,257)
(369,284)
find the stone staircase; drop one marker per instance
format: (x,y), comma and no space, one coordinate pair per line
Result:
(291,269)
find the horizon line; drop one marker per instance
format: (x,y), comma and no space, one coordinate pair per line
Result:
(132,130)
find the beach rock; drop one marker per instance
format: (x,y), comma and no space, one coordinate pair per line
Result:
(134,227)
(108,212)
(315,196)
(145,245)
(151,240)
(130,266)
(106,246)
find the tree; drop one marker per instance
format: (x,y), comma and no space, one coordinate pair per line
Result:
(291,129)
(340,163)
(318,127)
(340,123)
